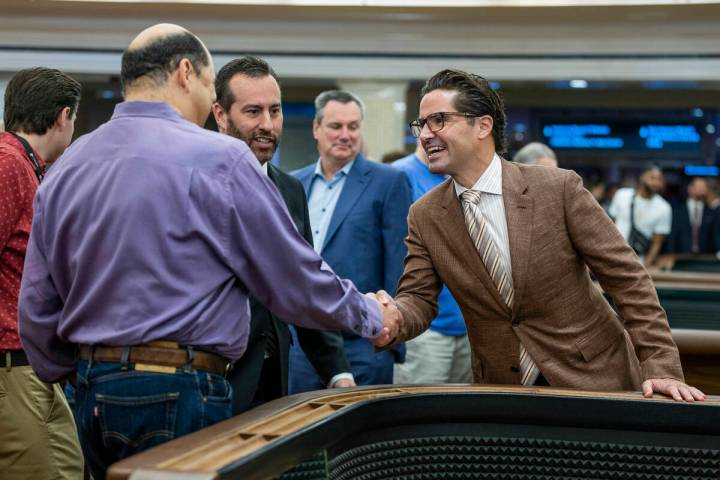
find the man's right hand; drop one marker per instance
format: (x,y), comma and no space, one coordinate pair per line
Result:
(391,318)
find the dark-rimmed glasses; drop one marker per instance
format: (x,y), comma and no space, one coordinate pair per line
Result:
(435,121)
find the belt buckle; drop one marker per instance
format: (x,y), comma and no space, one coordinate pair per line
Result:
(228,368)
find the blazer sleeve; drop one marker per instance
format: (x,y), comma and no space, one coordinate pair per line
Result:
(621,275)
(324,348)
(419,286)
(394,230)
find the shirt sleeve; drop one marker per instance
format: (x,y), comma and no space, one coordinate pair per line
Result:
(11,196)
(39,312)
(280,269)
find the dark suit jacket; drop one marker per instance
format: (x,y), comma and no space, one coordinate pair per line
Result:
(680,238)
(556,231)
(323,348)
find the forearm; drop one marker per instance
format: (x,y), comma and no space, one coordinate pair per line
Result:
(654,251)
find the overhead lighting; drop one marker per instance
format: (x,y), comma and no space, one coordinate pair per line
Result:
(578,84)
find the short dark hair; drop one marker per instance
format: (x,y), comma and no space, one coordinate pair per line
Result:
(476,96)
(250,66)
(341,96)
(159,58)
(35,97)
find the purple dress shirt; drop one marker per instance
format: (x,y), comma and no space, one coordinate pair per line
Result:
(152,228)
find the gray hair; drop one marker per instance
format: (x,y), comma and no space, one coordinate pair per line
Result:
(341,96)
(532,152)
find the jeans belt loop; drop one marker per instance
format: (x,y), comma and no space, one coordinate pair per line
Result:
(124,358)
(188,367)
(8,361)
(228,368)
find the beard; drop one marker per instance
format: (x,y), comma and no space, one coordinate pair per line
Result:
(263,155)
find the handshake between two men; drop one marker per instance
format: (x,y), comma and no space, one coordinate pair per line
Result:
(391,318)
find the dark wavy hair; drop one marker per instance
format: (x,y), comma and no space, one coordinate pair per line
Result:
(476,96)
(250,66)
(35,97)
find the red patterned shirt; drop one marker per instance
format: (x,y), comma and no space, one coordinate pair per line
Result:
(18,184)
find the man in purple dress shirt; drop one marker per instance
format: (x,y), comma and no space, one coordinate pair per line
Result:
(148,236)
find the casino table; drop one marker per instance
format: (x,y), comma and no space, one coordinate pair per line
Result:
(447,432)
(692,303)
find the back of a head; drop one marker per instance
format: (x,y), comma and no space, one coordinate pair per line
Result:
(475,96)
(250,66)
(35,97)
(532,152)
(148,62)
(341,96)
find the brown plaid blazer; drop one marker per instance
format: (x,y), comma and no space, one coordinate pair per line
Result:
(556,232)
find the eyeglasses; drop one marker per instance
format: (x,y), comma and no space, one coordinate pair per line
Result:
(435,121)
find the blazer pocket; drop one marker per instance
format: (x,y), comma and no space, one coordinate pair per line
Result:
(603,336)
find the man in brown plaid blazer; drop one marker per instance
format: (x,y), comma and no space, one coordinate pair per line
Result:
(513,243)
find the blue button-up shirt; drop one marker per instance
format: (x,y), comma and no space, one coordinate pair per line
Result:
(449,320)
(323,198)
(152,228)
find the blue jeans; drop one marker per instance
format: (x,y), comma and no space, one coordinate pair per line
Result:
(368,366)
(121,412)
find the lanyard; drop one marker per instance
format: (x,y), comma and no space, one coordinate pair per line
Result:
(39,171)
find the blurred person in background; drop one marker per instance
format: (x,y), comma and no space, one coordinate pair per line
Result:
(643,217)
(692,221)
(536,153)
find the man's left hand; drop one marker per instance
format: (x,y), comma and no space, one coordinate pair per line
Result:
(672,388)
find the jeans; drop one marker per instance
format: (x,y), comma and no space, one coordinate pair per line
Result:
(122,411)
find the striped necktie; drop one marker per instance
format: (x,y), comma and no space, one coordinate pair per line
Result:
(481,237)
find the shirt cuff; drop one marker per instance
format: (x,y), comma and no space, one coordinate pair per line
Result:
(372,320)
(341,376)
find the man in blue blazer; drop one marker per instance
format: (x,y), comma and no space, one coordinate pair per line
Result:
(358,214)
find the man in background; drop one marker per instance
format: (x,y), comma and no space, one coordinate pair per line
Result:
(39,438)
(358,212)
(536,153)
(442,353)
(693,222)
(651,218)
(249,107)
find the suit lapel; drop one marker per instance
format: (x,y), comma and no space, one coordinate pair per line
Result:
(355,183)
(453,220)
(518,214)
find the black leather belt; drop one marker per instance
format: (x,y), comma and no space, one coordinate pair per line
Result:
(13,358)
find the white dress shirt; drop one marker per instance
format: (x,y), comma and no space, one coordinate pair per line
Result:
(493,208)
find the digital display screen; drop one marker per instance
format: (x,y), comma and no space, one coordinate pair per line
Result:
(702,170)
(618,134)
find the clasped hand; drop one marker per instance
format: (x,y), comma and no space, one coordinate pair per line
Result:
(391,318)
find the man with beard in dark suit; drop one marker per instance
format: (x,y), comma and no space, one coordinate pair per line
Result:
(249,108)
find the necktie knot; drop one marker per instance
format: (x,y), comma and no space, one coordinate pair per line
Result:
(471,196)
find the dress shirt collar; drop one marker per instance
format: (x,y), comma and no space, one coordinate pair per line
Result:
(147,109)
(489,182)
(264,167)
(344,170)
